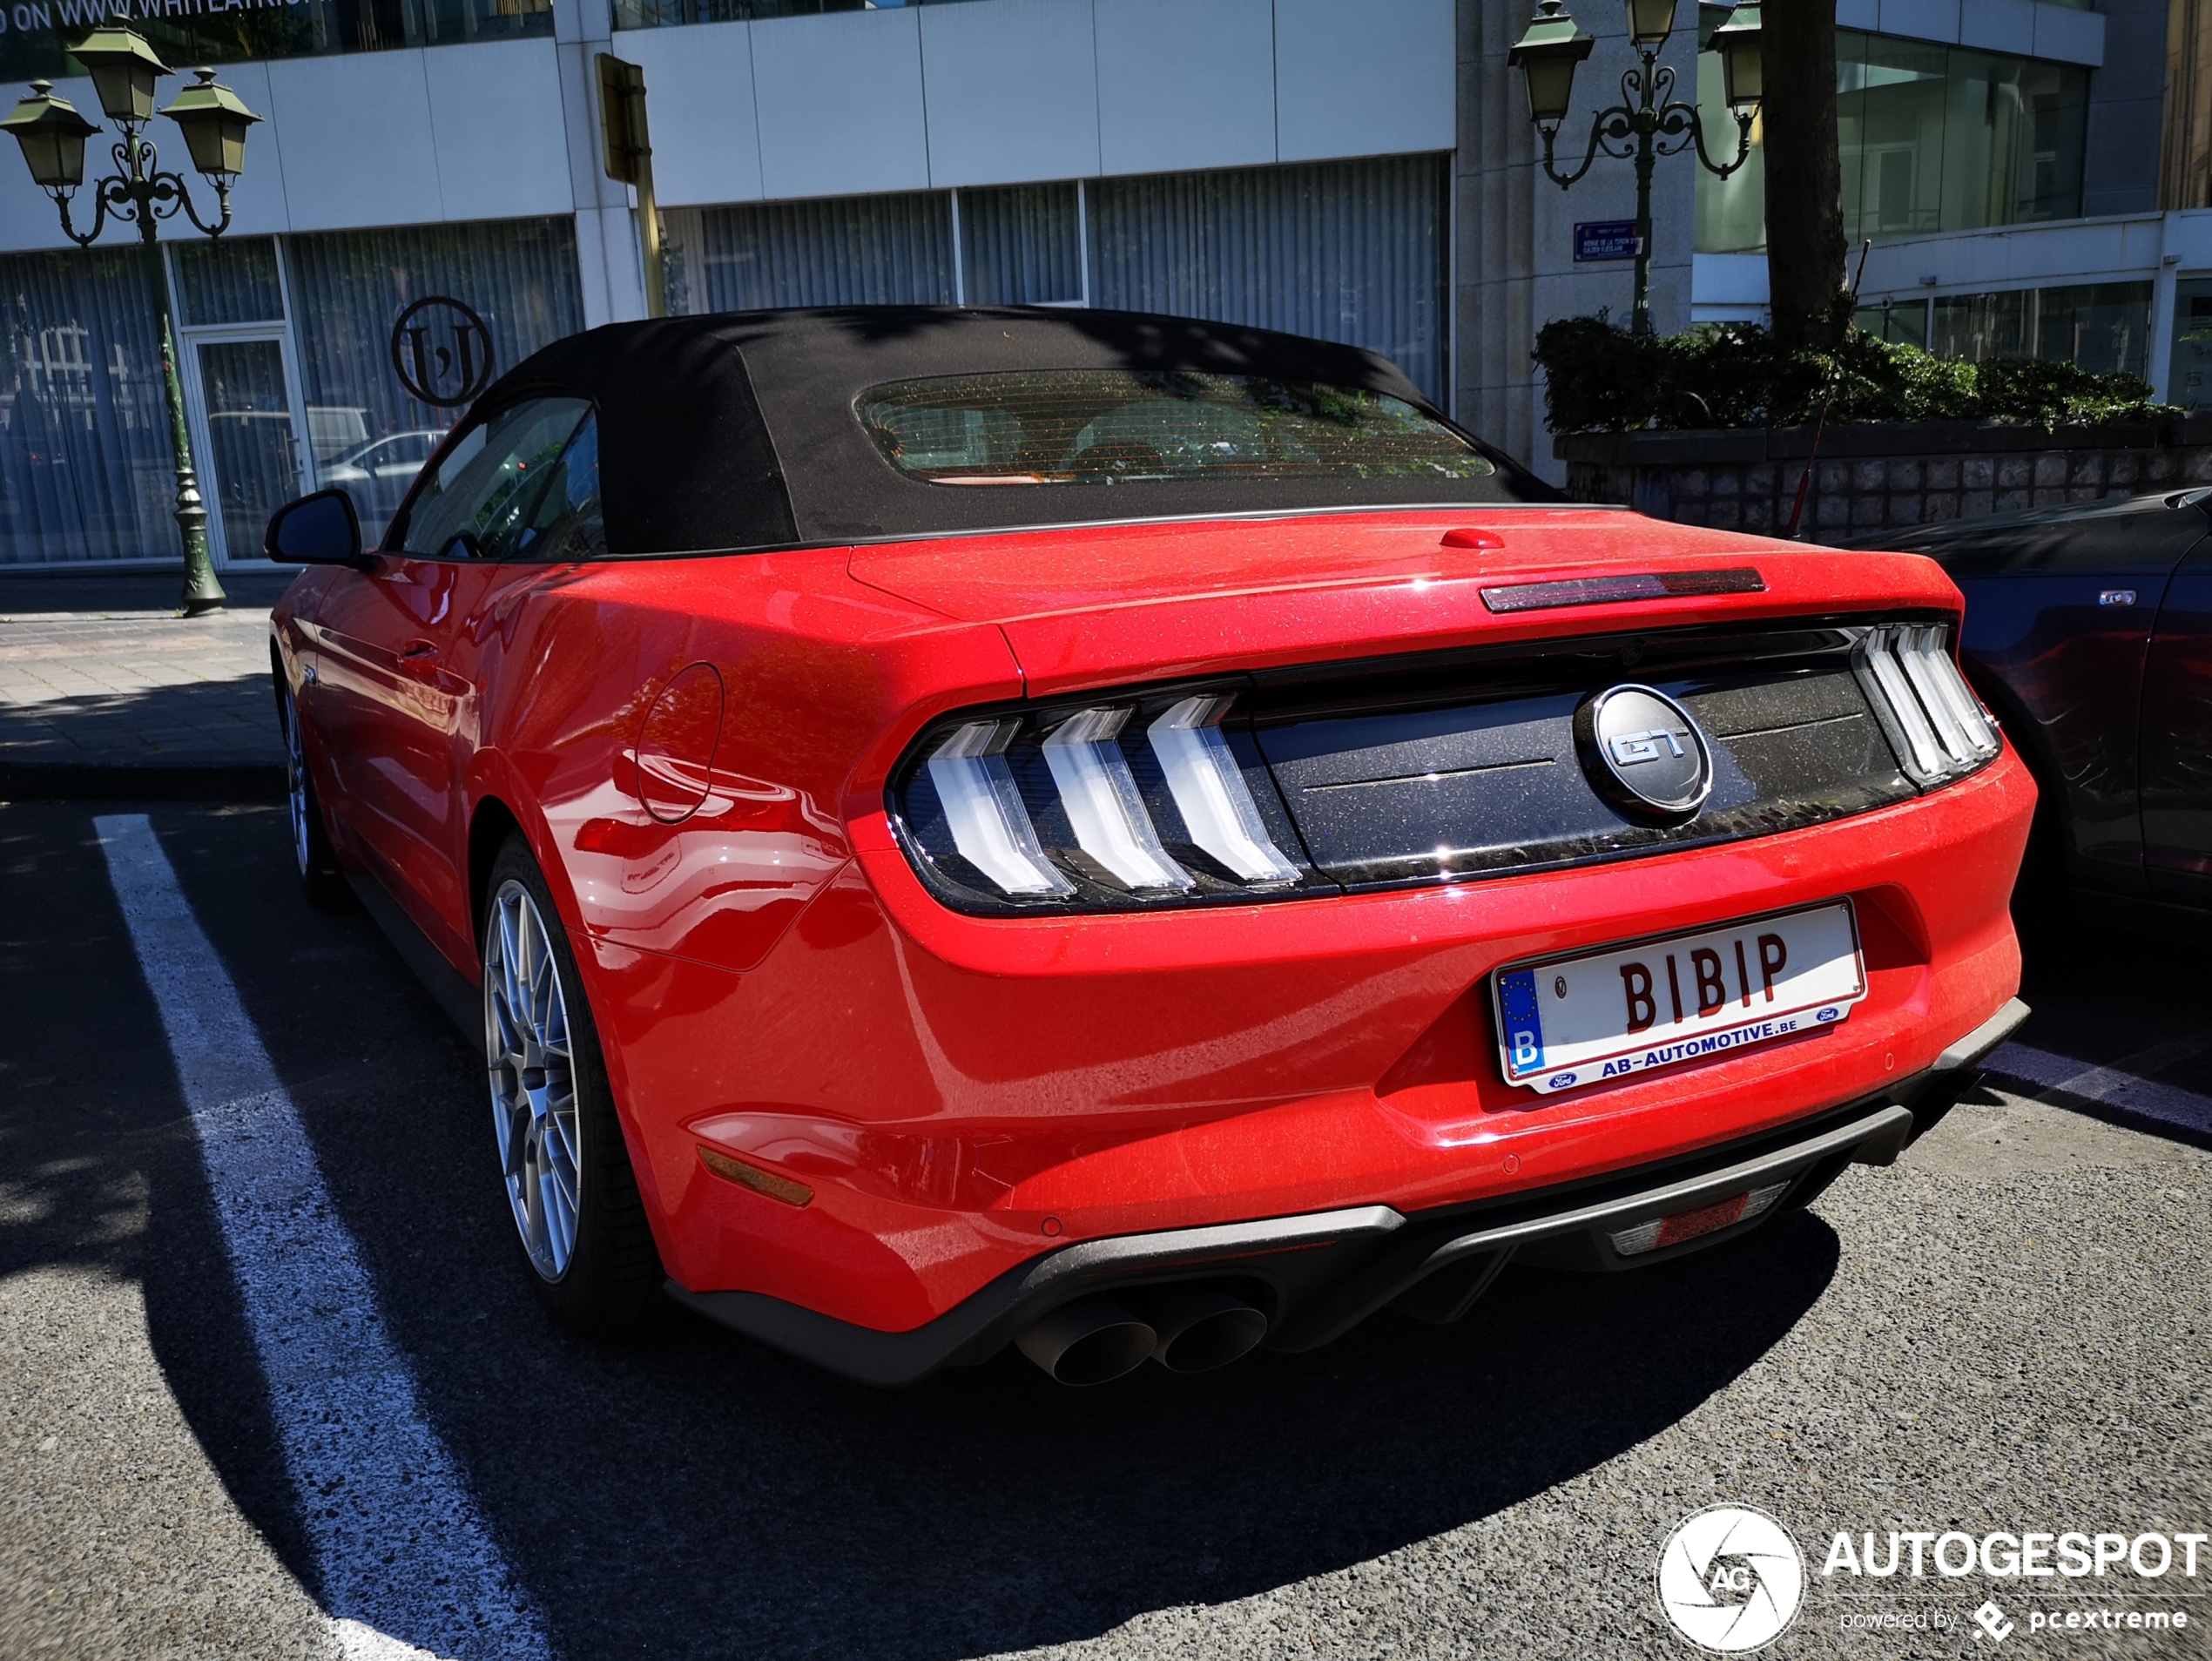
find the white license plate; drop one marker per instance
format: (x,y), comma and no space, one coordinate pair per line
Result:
(1570,1021)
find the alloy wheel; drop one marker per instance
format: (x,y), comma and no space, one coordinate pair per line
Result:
(295,785)
(533,1079)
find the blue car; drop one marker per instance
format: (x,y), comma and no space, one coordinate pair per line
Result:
(2088,631)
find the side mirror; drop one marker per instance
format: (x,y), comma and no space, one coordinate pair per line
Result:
(318,529)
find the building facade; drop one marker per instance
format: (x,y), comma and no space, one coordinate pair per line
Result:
(425,205)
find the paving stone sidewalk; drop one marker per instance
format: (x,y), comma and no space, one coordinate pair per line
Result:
(104,688)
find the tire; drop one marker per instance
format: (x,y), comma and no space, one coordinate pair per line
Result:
(320,876)
(578,1220)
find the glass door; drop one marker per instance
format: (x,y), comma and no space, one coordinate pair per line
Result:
(252,465)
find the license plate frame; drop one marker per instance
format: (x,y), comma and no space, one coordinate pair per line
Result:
(1756,1008)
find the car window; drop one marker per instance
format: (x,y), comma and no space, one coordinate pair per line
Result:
(1105,425)
(562,521)
(487,495)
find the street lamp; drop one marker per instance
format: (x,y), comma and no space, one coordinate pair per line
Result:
(1647,123)
(125,73)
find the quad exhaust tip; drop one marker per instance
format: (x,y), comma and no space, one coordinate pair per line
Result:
(1187,1328)
(1197,1328)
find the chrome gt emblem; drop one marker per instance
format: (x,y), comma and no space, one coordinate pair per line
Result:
(1643,753)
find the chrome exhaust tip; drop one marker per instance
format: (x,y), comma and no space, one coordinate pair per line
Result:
(1089,1342)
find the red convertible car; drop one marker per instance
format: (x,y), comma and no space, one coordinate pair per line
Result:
(1128,837)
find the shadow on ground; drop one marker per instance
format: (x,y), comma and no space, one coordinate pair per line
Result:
(703,1495)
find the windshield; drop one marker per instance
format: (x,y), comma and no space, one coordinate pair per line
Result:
(1110,426)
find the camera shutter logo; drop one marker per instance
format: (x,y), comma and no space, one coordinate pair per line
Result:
(1730,1579)
(441,352)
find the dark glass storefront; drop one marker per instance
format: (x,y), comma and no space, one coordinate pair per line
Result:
(36,35)
(332,359)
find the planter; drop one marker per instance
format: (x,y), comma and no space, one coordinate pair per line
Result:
(1871,474)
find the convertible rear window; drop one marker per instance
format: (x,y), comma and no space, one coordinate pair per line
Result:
(1112,426)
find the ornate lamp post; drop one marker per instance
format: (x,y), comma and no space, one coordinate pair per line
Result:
(125,70)
(1647,123)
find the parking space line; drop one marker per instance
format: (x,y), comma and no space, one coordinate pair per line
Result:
(406,1560)
(2113,1086)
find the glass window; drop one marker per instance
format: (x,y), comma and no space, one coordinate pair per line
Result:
(503,489)
(1980,326)
(1905,324)
(1932,138)
(2099,326)
(2102,326)
(1342,251)
(2189,383)
(383,317)
(839,251)
(229,281)
(206,31)
(1106,426)
(1022,247)
(86,472)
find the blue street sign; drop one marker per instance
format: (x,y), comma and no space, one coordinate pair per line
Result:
(1606,240)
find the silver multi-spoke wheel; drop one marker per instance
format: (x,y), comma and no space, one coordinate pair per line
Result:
(295,787)
(533,1078)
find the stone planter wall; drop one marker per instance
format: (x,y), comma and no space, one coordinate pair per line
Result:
(1875,474)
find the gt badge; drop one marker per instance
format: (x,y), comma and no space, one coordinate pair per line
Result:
(1643,753)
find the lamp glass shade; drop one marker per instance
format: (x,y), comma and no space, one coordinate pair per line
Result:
(215,122)
(1546,55)
(51,135)
(124,71)
(1742,71)
(1551,89)
(1650,22)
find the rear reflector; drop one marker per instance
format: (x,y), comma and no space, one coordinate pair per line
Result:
(1600,590)
(752,1177)
(1663,1231)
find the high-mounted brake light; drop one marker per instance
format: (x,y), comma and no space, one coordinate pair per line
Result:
(989,826)
(1210,791)
(1099,795)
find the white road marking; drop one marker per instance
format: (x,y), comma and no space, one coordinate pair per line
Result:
(2111,1085)
(406,1562)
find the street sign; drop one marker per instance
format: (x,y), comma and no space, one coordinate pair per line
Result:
(1606,240)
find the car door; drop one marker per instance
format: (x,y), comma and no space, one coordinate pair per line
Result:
(2177,739)
(2059,608)
(395,695)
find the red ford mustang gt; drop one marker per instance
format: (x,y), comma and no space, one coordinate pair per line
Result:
(1128,837)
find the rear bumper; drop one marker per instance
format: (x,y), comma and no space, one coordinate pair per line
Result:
(1320,1273)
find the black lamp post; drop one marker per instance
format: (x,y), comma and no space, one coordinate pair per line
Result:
(125,71)
(1647,123)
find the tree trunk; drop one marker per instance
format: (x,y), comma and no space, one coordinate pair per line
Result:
(1805,182)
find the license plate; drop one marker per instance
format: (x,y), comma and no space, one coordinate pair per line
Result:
(1565,1022)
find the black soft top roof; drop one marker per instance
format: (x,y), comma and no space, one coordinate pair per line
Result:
(738,430)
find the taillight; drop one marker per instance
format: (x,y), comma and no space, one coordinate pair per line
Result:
(1098,805)
(1934,722)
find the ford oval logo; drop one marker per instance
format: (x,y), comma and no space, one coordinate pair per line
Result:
(1643,753)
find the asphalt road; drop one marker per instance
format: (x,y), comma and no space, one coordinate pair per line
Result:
(2012,1330)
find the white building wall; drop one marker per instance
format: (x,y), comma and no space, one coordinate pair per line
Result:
(1013,91)
(421,137)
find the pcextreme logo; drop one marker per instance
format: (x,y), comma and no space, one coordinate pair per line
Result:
(1730,1579)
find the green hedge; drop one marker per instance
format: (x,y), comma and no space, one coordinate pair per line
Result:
(1601,379)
